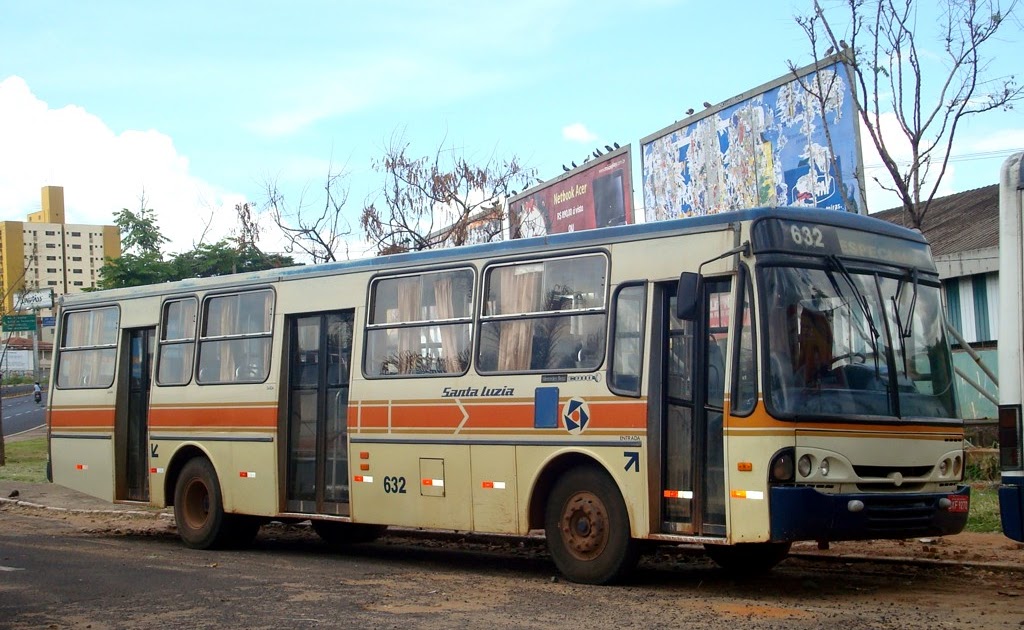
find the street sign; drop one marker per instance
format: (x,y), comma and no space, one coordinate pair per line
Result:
(36,299)
(48,322)
(19,323)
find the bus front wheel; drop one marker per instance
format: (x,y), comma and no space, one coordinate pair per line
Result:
(198,509)
(587,528)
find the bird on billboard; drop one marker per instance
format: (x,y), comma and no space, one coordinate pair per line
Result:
(596,153)
(608,148)
(829,51)
(689,111)
(565,168)
(615,144)
(706,104)
(842,44)
(573,164)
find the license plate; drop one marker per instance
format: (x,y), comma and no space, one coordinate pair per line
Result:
(959,502)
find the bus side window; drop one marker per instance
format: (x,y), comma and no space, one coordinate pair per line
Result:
(624,371)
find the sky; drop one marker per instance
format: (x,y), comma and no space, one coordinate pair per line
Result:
(198,106)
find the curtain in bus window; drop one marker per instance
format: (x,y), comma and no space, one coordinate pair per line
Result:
(518,286)
(450,351)
(89,349)
(409,299)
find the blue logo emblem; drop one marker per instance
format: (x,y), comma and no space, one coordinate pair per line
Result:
(576,415)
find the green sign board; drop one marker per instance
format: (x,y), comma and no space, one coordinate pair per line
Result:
(19,323)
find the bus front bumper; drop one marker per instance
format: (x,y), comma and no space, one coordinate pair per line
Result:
(805,514)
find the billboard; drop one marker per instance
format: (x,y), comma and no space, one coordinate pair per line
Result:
(597,194)
(766,147)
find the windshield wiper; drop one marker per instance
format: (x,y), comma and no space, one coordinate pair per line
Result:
(862,301)
(904,327)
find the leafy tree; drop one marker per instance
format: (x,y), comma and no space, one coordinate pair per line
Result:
(144,262)
(890,71)
(441,200)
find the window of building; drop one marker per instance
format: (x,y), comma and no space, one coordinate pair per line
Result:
(420,325)
(234,343)
(545,315)
(76,247)
(76,234)
(177,342)
(76,271)
(51,246)
(51,283)
(51,233)
(76,258)
(88,349)
(51,270)
(77,283)
(51,258)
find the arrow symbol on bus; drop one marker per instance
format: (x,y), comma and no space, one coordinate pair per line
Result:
(153,450)
(632,460)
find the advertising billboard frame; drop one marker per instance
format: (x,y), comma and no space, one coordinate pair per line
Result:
(579,199)
(851,175)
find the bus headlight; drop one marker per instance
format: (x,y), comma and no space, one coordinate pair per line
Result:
(804,465)
(957,466)
(782,466)
(944,467)
(824,467)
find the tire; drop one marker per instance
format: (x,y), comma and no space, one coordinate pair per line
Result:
(198,508)
(587,528)
(748,558)
(338,534)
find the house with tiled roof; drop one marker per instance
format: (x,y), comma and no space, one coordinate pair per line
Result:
(963,230)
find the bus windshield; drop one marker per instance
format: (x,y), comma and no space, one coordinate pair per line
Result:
(842,343)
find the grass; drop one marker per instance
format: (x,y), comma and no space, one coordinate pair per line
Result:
(984,515)
(26,461)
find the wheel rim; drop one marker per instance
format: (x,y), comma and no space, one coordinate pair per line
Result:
(197,504)
(584,526)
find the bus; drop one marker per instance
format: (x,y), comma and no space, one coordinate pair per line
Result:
(1011,359)
(740,381)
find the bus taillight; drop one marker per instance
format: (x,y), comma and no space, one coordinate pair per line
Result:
(1010,437)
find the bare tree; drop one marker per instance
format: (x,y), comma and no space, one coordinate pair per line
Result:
(885,49)
(442,200)
(318,230)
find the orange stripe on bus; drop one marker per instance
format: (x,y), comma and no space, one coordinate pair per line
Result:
(448,415)
(68,418)
(218,417)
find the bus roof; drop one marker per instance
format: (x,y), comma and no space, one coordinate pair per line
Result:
(553,242)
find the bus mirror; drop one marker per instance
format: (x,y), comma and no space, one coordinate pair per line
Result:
(687,296)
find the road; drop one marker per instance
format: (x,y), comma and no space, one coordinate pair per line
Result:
(21,413)
(63,570)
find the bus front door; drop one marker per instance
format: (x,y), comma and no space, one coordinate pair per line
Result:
(320,347)
(133,463)
(691,411)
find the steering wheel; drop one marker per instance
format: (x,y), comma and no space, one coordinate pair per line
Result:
(858,358)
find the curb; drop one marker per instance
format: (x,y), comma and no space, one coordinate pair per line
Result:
(39,506)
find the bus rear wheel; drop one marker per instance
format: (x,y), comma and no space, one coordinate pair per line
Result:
(199,511)
(587,528)
(750,558)
(339,534)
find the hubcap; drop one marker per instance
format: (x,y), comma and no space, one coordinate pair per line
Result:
(197,504)
(584,526)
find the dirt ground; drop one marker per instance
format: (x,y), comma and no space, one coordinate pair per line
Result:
(411,579)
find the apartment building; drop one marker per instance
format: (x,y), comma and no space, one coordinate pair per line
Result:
(47,252)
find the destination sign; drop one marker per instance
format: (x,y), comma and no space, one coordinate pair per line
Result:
(820,239)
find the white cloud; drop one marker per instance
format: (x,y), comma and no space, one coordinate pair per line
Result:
(578,132)
(101,171)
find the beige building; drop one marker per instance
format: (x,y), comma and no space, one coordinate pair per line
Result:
(46,252)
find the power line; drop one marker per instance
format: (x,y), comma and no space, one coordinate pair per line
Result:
(964,157)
